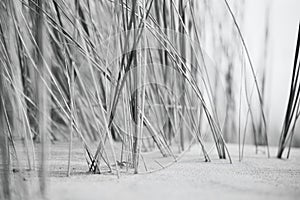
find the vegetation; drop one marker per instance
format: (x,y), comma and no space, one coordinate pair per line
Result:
(124,78)
(293,108)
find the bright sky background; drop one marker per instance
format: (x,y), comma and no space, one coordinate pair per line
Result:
(284,21)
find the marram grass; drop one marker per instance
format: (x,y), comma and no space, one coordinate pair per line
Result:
(124,78)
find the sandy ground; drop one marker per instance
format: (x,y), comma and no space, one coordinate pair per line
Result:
(256,177)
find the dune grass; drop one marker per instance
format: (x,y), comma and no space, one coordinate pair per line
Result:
(292,111)
(124,78)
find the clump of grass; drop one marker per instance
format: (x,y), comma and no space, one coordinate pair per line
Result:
(137,78)
(293,107)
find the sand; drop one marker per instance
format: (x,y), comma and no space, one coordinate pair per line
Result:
(256,177)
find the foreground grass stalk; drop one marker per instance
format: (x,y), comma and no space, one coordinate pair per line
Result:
(4,146)
(183,66)
(143,75)
(42,95)
(292,112)
(137,83)
(71,89)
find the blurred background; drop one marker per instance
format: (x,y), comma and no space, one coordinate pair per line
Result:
(283,18)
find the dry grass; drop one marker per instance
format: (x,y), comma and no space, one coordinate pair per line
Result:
(122,77)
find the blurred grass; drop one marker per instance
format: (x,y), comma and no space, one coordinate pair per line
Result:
(124,78)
